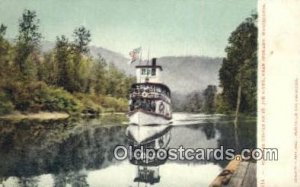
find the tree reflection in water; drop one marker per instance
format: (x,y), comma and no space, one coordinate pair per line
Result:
(80,152)
(63,148)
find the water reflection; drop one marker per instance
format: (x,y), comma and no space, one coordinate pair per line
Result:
(148,137)
(63,148)
(79,152)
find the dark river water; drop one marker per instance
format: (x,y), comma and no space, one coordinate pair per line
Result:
(79,152)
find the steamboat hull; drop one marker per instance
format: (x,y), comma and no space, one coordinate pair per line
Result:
(142,118)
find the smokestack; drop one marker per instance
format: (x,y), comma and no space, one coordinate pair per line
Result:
(153,62)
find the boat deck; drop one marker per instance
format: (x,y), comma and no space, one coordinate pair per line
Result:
(237,174)
(245,176)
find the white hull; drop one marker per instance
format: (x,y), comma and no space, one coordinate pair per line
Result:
(142,118)
(145,133)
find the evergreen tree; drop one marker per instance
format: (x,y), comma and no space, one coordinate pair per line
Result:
(62,57)
(29,80)
(194,102)
(27,41)
(209,95)
(82,38)
(4,50)
(238,73)
(99,76)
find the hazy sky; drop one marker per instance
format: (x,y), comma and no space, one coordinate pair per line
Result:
(166,27)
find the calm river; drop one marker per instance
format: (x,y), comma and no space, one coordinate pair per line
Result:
(79,152)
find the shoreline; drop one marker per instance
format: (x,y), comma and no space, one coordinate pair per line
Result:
(48,115)
(35,116)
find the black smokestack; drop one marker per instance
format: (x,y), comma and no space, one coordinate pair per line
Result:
(153,61)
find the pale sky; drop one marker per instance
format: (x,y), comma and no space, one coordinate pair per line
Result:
(165,27)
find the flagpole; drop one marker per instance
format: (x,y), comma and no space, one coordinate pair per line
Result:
(141,54)
(148,55)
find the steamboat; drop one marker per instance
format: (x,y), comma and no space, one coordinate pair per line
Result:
(150,99)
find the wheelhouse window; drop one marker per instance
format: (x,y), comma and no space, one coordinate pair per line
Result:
(153,73)
(146,71)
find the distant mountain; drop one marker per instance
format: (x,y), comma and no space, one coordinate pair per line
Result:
(113,57)
(190,73)
(47,46)
(110,56)
(183,74)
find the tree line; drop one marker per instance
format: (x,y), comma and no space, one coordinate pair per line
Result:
(237,77)
(66,78)
(238,73)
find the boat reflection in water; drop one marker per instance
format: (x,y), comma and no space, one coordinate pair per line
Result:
(142,138)
(81,153)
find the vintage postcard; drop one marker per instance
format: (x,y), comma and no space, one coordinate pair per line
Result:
(165,93)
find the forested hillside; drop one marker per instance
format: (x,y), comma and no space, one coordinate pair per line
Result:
(71,76)
(66,78)
(238,73)
(235,90)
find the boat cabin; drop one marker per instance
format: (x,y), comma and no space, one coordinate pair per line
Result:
(152,97)
(148,73)
(147,175)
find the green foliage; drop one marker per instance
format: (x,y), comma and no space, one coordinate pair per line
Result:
(197,101)
(239,68)
(2,31)
(6,105)
(209,95)
(99,76)
(82,39)
(222,106)
(113,118)
(62,58)
(94,104)
(5,49)
(57,99)
(120,81)
(194,102)
(63,79)
(28,38)
(115,104)
(90,105)
(37,96)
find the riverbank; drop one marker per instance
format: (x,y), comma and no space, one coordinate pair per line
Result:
(34,97)
(39,116)
(49,115)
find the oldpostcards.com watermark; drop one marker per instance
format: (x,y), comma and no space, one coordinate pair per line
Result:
(149,154)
